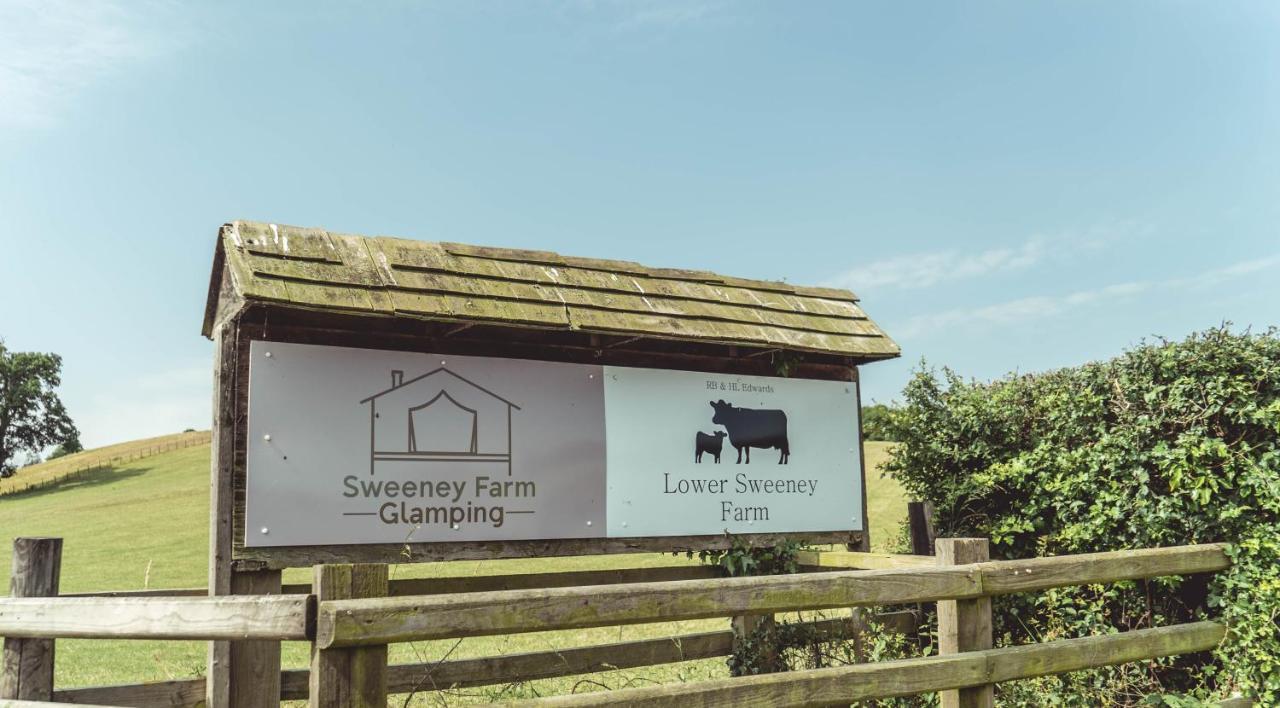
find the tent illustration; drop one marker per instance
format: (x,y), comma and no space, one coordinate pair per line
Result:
(438,417)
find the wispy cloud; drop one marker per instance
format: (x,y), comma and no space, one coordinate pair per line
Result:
(1044,306)
(924,270)
(626,15)
(51,50)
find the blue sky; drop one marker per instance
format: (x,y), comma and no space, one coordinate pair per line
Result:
(1007,185)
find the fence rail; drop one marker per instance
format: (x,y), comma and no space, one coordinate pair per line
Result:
(346,623)
(91,461)
(909,676)
(205,618)
(350,633)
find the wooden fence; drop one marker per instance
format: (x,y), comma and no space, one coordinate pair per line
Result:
(350,613)
(92,462)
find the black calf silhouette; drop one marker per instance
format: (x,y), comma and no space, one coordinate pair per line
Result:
(708,443)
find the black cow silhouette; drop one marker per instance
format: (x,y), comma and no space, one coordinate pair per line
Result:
(708,443)
(750,428)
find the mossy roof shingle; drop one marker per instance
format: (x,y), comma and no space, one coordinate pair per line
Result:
(316,269)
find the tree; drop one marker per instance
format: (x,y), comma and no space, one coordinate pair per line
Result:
(70,446)
(877,422)
(32,416)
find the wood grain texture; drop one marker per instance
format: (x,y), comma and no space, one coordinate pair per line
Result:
(470,583)
(48,704)
(292,266)
(26,666)
(182,693)
(920,524)
(354,677)
(845,684)
(222,503)
(254,680)
(353,622)
(1003,577)
(230,618)
(562,579)
(150,592)
(964,625)
(857,560)
(483,671)
(356,622)
(299,556)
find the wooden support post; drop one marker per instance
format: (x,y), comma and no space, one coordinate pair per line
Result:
(744,626)
(26,670)
(920,521)
(255,665)
(965,625)
(355,677)
(864,542)
(243,673)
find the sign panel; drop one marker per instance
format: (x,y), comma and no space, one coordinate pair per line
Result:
(351,446)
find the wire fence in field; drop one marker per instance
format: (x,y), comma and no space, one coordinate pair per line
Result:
(96,463)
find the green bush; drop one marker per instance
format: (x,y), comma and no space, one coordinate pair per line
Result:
(877,422)
(1171,443)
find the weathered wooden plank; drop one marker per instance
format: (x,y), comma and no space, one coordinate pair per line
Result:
(313,268)
(845,684)
(48,704)
(484,671)
(572,578)
(222,493)
(355,677)
(230,618)
(470,583)
(631,300)
(356,622)
(489,264)
(157,694)
(920,521)
(150,592)
(828,560)
(281,240)
(26,666)
(1003,577)
(964,625)
(296,556)
(254,680)
(665,326)
(582,660)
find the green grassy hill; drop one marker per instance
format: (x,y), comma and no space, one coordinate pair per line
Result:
(90,462)
(145,523)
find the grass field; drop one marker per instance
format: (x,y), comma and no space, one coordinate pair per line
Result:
(145,523)
(87,462)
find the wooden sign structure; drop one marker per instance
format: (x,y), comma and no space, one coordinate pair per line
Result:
(291,286)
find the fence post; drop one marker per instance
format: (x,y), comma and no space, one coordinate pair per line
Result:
(965,625)
(253,666)
(920,521)
(357,676)
(26,671)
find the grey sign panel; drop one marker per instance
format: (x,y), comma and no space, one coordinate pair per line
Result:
(696,454)
(350,446)
(363,446)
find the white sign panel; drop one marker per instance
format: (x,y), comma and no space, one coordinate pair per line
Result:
(366,446)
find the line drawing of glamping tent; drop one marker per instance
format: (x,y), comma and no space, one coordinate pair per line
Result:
(439,416)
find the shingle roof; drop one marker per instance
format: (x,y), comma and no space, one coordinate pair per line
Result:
(316,269)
